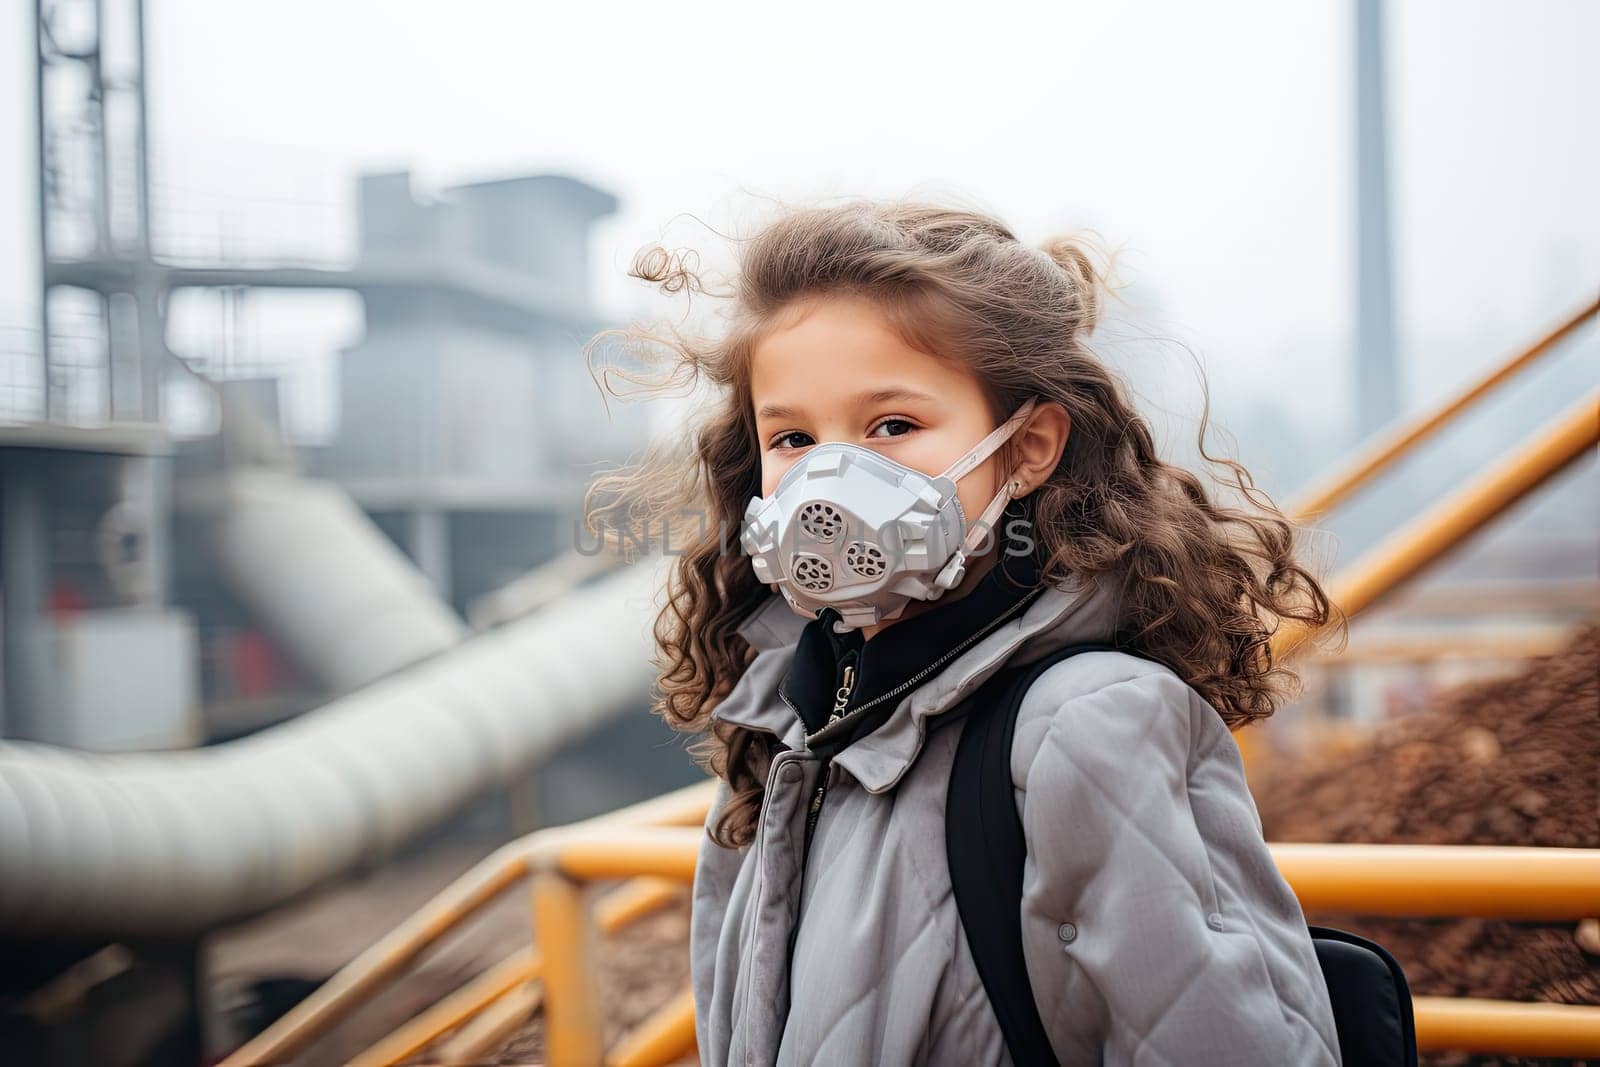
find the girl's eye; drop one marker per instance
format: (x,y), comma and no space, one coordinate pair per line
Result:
(905,425)
(786,440)
(800,439)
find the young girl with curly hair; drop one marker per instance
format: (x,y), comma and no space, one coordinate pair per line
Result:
(917,474)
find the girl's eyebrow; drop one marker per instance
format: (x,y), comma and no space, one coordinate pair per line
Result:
(879,396)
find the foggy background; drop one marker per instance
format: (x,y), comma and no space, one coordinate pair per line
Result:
(293,633)
(1211,143)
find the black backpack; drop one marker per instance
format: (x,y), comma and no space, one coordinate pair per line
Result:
(984,840)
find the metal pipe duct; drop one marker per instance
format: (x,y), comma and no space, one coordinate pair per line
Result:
(177,842)
(336,595)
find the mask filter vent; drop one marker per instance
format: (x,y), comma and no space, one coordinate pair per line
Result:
(865,558)
(813,574)
(821,520)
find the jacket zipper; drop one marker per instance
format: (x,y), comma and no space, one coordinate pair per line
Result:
(841,698)
(817,795)
(824,772)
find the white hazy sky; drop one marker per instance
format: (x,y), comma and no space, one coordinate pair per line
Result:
(1212,142)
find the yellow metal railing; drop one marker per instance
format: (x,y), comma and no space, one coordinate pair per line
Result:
(1409,551)
(1527,883)
(1523,642)
(615,911)
(1389,448)
(1538,884)
(507,867)
(1506,1026)
(1396,880)
(1404,554)
(658,841)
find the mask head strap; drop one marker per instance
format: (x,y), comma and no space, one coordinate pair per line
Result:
(996,437)
(955,570)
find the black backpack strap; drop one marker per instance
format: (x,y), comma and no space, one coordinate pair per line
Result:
(986,848)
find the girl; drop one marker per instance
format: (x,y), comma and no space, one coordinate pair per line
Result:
(932,477)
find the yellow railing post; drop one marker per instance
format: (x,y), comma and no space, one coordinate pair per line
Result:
(572,1011)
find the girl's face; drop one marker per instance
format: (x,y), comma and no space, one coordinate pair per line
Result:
(836,371)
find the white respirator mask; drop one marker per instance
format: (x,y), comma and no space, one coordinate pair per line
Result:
(850,529)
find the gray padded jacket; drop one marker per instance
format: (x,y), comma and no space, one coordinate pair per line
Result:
(1156,927)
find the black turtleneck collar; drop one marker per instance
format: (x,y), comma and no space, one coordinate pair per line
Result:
(900,650)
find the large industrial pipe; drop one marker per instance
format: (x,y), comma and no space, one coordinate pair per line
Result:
(177,842)
(337,596)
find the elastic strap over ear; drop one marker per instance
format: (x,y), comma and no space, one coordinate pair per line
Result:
(996,437)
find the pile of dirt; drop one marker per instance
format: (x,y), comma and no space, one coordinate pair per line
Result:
(1513,761)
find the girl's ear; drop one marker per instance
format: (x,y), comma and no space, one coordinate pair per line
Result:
(1040,443)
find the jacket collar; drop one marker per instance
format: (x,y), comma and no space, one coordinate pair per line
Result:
(1084,608)
(891,660)
(773,624)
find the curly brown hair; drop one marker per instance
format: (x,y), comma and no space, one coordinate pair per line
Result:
(1204,585)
